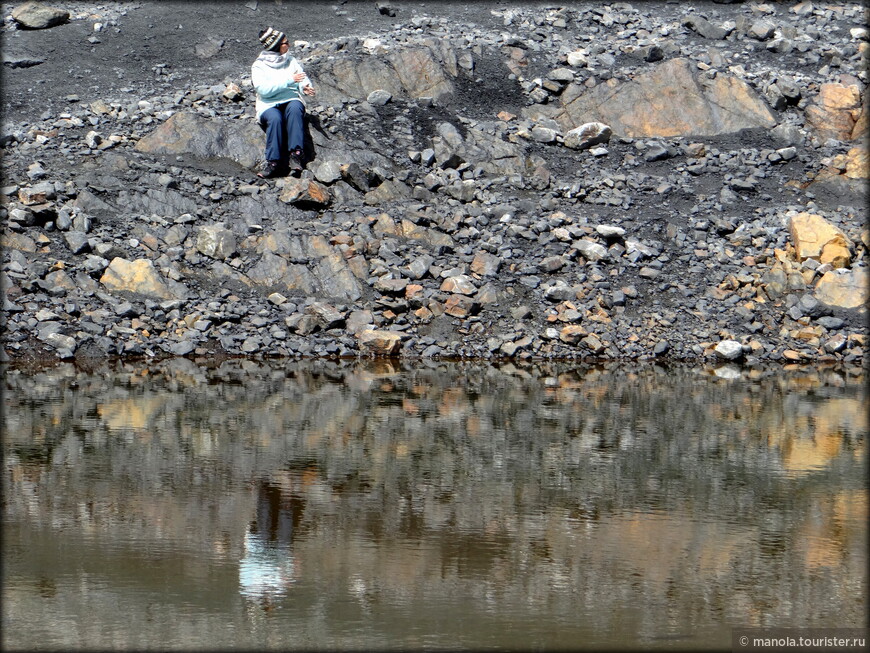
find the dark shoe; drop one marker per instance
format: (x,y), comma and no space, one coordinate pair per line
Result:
(270,169)
(296,161)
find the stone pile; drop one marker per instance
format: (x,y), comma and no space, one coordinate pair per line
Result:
(600,181)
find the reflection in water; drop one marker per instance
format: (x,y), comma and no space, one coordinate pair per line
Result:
(335,505)
(267,566)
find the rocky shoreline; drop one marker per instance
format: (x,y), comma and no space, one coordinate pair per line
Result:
(596,181)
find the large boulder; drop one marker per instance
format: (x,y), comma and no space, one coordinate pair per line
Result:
(816,238)
(379,342)
(35,15)
(140,277)
(835,112)
(410,72)
(843,289)
(305,265)
(671,100)
(489,152)
(206,138)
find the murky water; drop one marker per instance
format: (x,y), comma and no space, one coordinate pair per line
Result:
(377,505)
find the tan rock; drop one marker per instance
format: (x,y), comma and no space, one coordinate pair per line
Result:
(814,237)
(572,334)
(838,96)
(36,15)
(858,163)
(139,276)
(434,237)
(862,122)
(670,100)
(593,343)
(835,111)
(843,289)
(379,342)
(32,196)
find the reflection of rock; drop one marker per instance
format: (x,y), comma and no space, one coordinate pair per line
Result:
(829,540)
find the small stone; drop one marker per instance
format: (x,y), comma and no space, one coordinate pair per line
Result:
(461,284)
(379,97)
(729,350)
(661,347)
(379,342)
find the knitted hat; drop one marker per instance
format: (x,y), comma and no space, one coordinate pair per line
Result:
(271,38)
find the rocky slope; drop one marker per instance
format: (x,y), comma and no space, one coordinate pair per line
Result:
(493,180)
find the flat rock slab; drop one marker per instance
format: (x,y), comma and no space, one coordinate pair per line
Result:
(206,138)
(671,100)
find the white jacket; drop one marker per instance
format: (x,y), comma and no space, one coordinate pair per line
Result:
(272,77)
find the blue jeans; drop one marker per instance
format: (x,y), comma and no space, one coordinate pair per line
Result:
(283,125)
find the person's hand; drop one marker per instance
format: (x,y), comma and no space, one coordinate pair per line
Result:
(309,90)
(298,77)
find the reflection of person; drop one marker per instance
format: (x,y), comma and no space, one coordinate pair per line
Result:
(268,567)
(281,84)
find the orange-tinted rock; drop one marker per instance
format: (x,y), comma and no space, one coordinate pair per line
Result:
(814,237)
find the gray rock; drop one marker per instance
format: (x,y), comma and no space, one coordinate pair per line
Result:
(77,241)
(20,59)
(705,28)
(591,250)
(216,242)
(559,291)
(656,152)
(182,348)
(762,30)
(729,350)
(379,97)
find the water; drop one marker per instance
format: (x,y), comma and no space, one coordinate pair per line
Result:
(430,505)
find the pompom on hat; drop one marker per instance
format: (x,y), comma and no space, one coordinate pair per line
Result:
(271,38)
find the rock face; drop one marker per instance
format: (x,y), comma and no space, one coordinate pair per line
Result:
(35,15)
(671,100)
